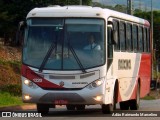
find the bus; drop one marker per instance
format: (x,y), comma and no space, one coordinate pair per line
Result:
(58,68)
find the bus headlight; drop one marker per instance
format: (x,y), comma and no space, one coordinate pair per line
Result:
(95,84)
(30,84)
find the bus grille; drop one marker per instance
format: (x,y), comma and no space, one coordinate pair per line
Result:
(70,97)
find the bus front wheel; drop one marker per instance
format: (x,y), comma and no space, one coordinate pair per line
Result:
(43,108)
(107,109)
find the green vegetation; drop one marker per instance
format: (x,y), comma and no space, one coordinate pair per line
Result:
(9,73)
(149,98)
(14,64)
(14,90)
(9,100)
(10,83)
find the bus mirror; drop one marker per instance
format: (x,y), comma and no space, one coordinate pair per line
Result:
(20,33)
(22,25)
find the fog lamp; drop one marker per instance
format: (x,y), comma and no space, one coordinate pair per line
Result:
(98,98)
(27,97)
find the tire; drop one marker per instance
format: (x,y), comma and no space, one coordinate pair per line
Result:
(43,108)
(109,108)
(134,104)
(80,107)
(124,105)
(70,107)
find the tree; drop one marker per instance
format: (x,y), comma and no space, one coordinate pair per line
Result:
(14,11)
(120,8)
(156,26)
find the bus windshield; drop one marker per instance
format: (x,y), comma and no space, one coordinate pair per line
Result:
(64,44)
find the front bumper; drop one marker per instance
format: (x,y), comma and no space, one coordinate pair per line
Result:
(83,96)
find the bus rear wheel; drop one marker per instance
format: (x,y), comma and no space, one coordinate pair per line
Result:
(70,107)
(124,105)
(43,108)
(80,107)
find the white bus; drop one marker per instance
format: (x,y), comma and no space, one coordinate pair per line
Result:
(61,66)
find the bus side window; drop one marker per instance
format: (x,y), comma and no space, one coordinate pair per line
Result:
(110,45)
(129,37)
(135,37)
(122,36)
(148,40)
(117,45)
(140,40)
(144,39)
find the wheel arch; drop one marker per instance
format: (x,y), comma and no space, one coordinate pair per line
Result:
(116,88)
(139,82)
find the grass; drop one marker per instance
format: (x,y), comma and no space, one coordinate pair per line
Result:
(149,98)
(6,99)
(10,84)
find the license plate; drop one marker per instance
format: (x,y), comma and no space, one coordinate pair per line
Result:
(60,102)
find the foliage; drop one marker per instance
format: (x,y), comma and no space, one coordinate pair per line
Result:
(14,90)
(8,100)
(10,77)
(15,65)
(120,8)
(149,98)
(156,28)
(14,11)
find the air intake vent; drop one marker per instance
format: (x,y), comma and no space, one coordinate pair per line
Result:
(61,77)
(87,75)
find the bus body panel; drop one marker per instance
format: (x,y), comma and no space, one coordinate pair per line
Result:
(129,68)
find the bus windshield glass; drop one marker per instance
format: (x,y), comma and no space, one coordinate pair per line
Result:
(64,43)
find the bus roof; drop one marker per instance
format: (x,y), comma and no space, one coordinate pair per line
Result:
(82,11)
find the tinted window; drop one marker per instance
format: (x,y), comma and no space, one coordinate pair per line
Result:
(140,36)
(122,36)
(129,37)
(116,25)
(144,39)
(135,37)
(148,40)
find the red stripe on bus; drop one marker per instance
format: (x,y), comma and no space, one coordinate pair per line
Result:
(146,23)
(133,96)
(37,79)
(145,74)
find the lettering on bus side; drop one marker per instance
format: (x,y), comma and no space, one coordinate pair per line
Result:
(124,64)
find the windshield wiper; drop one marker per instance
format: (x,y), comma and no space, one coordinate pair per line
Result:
(77,59)
(53,45)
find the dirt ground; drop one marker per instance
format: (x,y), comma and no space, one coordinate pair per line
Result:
(9,68)
(155,93)
(8,53)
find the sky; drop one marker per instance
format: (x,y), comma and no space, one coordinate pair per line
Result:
(145,4)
